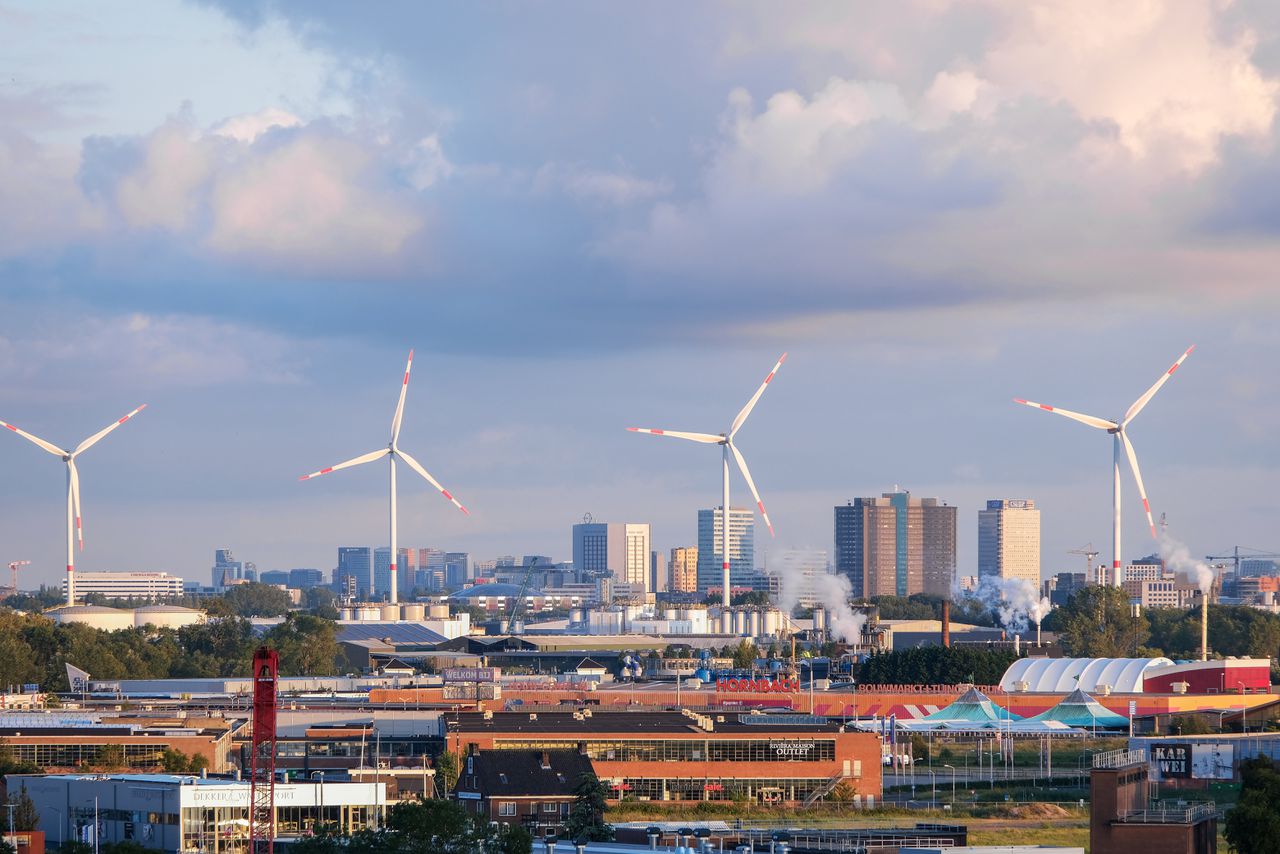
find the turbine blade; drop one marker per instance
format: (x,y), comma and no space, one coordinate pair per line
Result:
(751,484)
(75,500)
(96,437)
(705,438)
(1151,392)
(417,466)
(53,449)
(751,404)
(365,458)
(1100,423)
(404,388)
(1137,476)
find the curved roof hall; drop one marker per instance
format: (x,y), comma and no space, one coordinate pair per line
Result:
(1064,675)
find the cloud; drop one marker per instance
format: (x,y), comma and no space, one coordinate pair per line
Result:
(263,190)
(599,186)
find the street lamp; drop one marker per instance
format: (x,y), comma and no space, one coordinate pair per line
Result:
(933,788)
(953,782)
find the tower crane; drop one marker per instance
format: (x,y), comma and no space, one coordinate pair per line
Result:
(519,603)
(13,571)
(1249,554)
(1089,553)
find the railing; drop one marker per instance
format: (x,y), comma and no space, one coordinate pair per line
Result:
(1171,815)
(1119,758)
(823,790)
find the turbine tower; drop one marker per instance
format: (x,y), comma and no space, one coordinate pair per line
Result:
(75,531)
(1119,438)
(392,451)
(725,441)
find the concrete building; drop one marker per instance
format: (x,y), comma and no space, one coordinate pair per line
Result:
(457,569)
(658,576)
(301,579)
(127,585)
(1009,540)
(896,545)
(618,549)
(225,568)
(683,570)
(382,571)
(742,549)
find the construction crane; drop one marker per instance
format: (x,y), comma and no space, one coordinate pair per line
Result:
(262,768)
(1089,553)
(1236,557)
(519,603)
(13,571)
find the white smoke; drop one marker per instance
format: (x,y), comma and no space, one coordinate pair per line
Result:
(1178,559)
(803,574)
(1016,602)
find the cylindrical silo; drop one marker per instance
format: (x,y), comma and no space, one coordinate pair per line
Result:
(438,610)
(755,624)
(414,611)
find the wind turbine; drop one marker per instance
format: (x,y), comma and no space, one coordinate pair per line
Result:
(391,451)
(725,441)
(75,531)
(1119,438)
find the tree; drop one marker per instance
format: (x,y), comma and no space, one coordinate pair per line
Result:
(586,815)
(512,839)
(1097,622)
(308,645)
(448,769)
(25,814)
(252,599)
(937,665)
(1189,725)
(843,793)
(1253,826)
(745,655)
(109,757)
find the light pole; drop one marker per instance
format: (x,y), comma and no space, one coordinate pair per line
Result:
(1244,710)
(953,782)
(933,788)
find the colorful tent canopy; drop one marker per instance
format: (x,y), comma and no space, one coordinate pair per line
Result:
(1080,710)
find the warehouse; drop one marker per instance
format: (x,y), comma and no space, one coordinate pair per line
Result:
(686,756)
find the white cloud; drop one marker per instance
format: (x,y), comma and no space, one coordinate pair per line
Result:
(249,127)
(599,186)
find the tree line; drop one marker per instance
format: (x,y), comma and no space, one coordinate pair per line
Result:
(35,649)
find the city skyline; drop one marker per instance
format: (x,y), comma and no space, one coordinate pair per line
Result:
(927,233)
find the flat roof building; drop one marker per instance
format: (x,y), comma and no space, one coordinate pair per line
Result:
(684,756)
(896,545)
(1009,540)
(147,586)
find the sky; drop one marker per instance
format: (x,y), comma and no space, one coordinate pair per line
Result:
(587,216)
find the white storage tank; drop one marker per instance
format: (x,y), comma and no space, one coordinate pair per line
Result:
(390,613)
(819,619)
(166,616)
(755,624)
(413,611)
(438,611)
(368,613)
(97,616)
(577,615)
(740,623)
(772,622)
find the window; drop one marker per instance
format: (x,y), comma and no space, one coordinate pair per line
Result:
(506,808)
(550,807)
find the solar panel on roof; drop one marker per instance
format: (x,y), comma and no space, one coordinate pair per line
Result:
(783,720)
(398,633)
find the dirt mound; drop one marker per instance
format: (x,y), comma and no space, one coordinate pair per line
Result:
(1045,811)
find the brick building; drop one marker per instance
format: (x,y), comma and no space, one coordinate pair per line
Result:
(532,788)
(684,756)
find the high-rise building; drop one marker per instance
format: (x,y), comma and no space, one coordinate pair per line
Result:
(382,570)
(657,572)
(683,570)
(1009,540)
(795,576)
(301,579)
(429,574)
(276,577)
(355,562)
(457,569)
(144,586)
(742,549)
(620,549)
(896,545)
(226,568)
(591,547)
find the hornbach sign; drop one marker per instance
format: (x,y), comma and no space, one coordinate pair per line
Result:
(757,686)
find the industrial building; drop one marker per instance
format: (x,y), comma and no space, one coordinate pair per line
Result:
(170,812)
(688,756)
(142,586)
(80,739)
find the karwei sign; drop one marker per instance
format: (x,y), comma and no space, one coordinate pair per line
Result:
(1172,760)
(757,686)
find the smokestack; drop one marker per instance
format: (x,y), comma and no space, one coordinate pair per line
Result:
(1204,625)
(1017,644)
(946,622)
(1037,634)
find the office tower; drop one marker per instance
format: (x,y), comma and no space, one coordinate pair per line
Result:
(276,577)
(591,547)
(250,571)
(1009,540)
(892,545)
(657,572)
(382,569)
(682,570)
(457,569)
(430,572)
(620,549)
(301,579)
(742,549)
(144,586)
(226,568)
(355,562)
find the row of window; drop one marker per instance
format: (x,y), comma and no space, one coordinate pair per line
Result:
(779,749)
(766,790)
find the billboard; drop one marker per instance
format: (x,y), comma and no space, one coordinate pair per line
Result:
(1172,760)
(470,674)
(1213,762)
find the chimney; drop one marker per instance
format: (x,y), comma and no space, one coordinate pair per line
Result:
(946,622)
(1204,625)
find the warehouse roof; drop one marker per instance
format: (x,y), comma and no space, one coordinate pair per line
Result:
(1064,675)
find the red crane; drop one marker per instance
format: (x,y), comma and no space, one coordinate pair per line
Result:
(262,772)
(13,569)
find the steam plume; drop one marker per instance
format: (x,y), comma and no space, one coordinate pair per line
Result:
(804,573)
